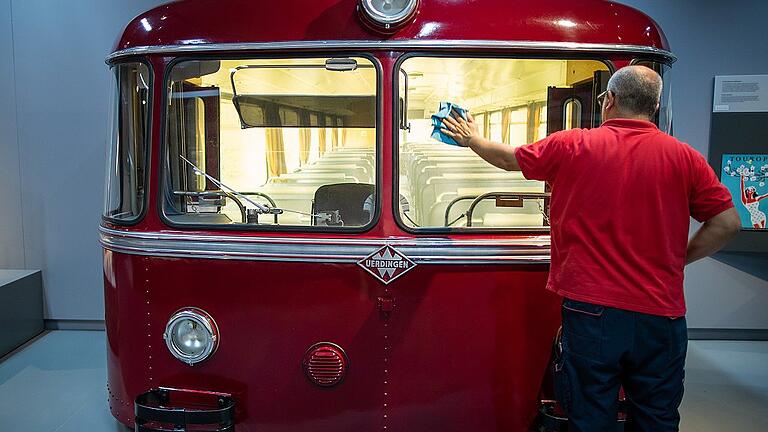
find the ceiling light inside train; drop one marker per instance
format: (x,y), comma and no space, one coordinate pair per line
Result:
(191,335)
(388,15)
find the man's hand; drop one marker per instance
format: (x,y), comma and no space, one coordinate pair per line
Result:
(466,135)
(462,131)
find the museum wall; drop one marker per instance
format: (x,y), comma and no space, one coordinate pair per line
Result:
(52,141)
(11,237)
(61,87)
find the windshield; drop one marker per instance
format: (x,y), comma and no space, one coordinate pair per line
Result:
(271,143)
(513,101)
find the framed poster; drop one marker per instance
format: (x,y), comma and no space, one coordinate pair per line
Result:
(746,176)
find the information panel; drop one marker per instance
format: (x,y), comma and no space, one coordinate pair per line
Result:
(741,93)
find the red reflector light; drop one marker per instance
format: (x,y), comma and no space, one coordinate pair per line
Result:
(325,364)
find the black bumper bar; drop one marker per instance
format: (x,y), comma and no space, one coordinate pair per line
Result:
(157,411)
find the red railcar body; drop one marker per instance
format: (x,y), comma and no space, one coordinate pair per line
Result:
(461,342)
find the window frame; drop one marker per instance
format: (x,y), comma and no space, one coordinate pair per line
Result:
(147,140)
(378,130)
(396,135)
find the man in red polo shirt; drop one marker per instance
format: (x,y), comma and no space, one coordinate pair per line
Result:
(622,198)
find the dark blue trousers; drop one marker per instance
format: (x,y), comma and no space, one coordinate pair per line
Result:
(605,348)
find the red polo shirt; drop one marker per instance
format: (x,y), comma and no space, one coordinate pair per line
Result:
(622,198)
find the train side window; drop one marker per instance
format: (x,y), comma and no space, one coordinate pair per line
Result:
(271,143)
(515,102)
(125,193)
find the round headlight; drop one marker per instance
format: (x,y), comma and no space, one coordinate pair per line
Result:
(191,335)
(388,14)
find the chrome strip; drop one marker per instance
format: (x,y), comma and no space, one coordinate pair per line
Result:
(412,44)
(532,250)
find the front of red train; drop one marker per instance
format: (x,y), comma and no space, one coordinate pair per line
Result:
(289,242)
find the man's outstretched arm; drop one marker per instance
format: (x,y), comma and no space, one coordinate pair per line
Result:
(713,235)
(465,132)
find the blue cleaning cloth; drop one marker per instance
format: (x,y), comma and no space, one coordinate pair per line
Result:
(437,121)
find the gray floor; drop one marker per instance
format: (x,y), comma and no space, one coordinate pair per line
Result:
(57,384)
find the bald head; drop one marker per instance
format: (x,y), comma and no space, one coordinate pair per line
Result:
(637,90)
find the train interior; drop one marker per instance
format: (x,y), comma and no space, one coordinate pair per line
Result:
(299,135)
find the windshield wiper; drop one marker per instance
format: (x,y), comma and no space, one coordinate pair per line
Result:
(261,208)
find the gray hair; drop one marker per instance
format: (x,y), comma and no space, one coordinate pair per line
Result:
(637,90)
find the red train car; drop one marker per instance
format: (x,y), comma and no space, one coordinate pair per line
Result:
(286,248)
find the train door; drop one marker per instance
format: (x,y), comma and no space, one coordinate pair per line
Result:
(576,106)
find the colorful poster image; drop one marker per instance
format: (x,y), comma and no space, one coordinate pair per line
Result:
(746,176)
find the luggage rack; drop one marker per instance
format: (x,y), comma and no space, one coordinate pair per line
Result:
(174,410)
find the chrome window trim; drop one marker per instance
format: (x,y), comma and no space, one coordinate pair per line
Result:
(529,250)
(395,45)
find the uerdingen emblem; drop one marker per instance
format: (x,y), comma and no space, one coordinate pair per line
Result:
(386,264)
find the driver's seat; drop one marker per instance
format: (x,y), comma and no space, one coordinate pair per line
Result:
(353,201)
